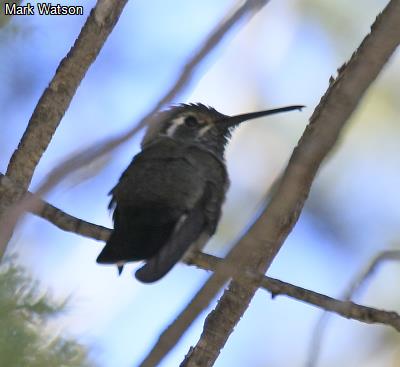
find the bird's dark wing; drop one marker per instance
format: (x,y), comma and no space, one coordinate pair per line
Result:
(152,195)
(139,232)
(164,202)
(191,229)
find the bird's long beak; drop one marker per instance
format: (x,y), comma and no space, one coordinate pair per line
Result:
(232,121)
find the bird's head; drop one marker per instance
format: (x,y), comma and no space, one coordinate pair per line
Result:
(201,125)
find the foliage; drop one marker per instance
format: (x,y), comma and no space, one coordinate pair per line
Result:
(24,314)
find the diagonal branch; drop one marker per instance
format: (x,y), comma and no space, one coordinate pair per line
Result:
(263,241)
(52,105)
(58,95)
(335,108)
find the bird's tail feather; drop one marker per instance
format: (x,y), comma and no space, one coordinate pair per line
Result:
(183,237)
(113,251)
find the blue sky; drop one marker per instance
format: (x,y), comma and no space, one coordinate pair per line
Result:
(285,55)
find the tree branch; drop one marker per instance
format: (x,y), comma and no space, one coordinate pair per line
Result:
(204,261)
(58,95)
(51,108)
(277,287)
(60,219)
(263,241)
(269,232)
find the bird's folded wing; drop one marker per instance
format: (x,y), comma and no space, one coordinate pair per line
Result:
(189,230)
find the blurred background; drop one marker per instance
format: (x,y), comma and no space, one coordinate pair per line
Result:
(284,55)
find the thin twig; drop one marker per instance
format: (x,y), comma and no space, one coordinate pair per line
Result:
(265,238)
(56,216)
(365,274)
(203,261)
(277,287)
(355,286)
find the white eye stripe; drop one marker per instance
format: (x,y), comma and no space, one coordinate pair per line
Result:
(174,125)
(203,130)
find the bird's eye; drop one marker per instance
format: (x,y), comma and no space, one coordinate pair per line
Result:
(191,121)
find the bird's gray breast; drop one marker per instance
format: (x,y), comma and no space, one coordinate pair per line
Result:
(172,174)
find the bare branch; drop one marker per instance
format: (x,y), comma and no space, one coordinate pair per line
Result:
(355,286)
(267,235)
(57,96)
(59,218)
(277,287)
(51,108)
(203,261)
(263,241)
(69,223)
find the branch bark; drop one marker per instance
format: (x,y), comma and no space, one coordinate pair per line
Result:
(347,309)
(267,235)
(52,105)
(263,241)
(204,261)
(62,220)
(58,95)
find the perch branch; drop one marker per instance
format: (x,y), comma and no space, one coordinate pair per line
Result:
(59,218)
(203,261)
(277,287)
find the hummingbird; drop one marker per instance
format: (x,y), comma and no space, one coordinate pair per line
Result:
(168,201)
